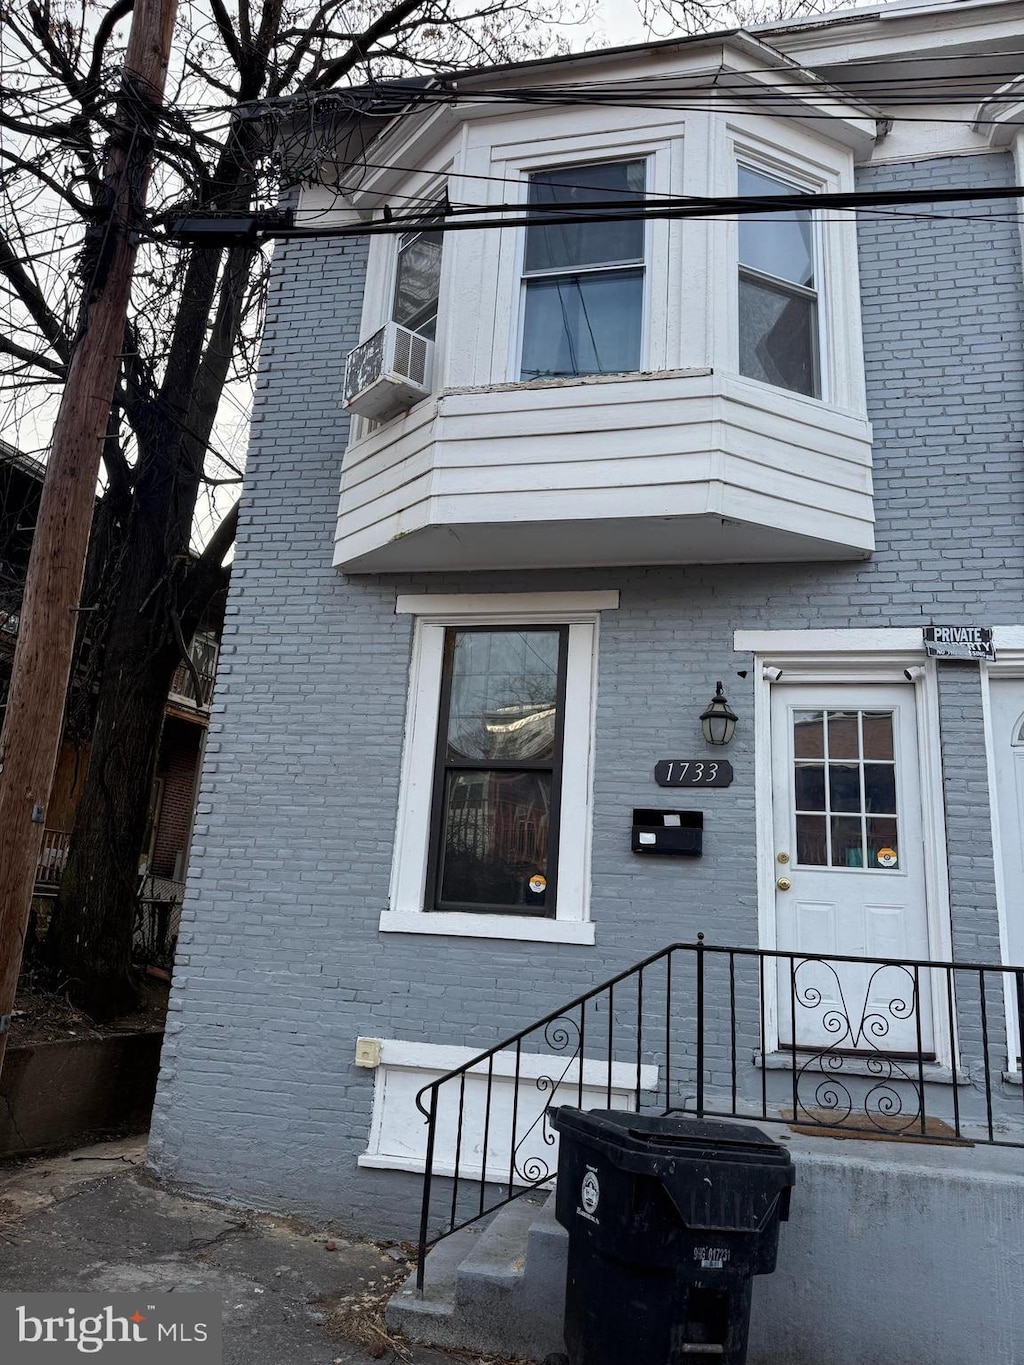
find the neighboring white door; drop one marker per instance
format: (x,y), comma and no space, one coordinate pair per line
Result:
(1007,697)
(849,867)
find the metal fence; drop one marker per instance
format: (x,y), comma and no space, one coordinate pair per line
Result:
(883,1048)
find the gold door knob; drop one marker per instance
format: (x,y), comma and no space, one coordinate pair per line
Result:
(784,884)
(782,858)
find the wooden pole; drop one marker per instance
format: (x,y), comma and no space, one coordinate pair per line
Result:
(30,739)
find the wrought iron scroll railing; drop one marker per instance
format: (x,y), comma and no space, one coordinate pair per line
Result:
(879,1048)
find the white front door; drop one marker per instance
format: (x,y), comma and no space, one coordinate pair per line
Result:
(849,867)
(1007,697)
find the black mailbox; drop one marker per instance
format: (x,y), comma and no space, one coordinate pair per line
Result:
(678,832)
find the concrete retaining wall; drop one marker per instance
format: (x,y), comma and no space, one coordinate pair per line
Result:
(911,1255)
(55,1095)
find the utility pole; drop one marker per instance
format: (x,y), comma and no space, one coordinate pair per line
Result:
(30,739)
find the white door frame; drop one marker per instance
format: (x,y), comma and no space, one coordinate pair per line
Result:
(1009,665)
(852,656)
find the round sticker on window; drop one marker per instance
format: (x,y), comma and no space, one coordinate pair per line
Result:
(886,857)
(538,884)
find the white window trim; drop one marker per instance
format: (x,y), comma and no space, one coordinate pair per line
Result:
(852,656)
(759,165)
(804,163)
(434,613)
(1009,664)
(644,265)
(593,149)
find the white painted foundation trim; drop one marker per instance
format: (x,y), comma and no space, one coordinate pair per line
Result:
(505,604)
(519,928)
(398,1134)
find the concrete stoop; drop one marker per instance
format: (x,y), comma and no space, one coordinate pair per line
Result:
(897,1252)
(498,1289)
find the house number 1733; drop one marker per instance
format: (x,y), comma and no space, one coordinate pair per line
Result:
(693,772)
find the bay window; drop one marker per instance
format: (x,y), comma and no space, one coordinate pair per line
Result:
(418,282)
(778,292)
(583,283)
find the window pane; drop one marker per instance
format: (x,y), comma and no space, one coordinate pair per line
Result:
(778,336)
(569,245)
(810,786)
(495,839)
(880,788)
(811,850)
(504,695)
(882,835)
(844,787)
(847,846)
(807,736)
(583,324)
(778,244)
(878,734)
(843,735)
(418,282)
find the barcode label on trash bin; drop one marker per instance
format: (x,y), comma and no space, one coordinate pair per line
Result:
(711,1258)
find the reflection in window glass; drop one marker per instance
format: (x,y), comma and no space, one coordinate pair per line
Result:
(583,282)
(496,829)
(808,741)
(498,775)
(418,282)
(778,298)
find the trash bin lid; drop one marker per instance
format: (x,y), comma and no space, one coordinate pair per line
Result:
(671,1135)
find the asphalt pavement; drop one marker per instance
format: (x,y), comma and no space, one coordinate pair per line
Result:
(96,1220)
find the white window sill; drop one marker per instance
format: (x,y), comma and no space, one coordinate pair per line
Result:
(520,928)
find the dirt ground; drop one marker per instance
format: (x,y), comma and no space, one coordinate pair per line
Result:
(44,1017)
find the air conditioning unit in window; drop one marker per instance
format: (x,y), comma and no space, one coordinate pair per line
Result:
(388,372)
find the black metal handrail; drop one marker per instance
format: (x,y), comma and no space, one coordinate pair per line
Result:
(893,1048)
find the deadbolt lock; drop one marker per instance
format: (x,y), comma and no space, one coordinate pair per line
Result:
(782,858)
(784,884)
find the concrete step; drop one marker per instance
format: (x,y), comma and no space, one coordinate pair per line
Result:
(500,1289)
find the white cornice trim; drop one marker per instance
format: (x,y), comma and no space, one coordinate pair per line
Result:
(895,640)
(998,118)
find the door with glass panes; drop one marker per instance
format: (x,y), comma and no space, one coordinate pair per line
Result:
(849,868)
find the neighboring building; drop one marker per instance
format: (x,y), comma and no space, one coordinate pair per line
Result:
(162,867)
(652,456)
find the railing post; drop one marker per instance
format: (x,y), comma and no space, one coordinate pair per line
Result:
(700,1025)
(428,1175)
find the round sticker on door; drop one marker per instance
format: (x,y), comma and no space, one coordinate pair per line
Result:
(886,857)
(590,1193)
(538,884)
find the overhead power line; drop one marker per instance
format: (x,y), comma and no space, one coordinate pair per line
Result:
(211,230)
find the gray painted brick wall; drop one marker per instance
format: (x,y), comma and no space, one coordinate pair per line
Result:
(281,965)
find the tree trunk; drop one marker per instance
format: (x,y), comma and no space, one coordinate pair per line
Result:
(89,946)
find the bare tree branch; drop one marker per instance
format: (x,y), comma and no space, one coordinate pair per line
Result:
(33,300)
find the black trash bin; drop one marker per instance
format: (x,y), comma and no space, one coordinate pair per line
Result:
(669,1219)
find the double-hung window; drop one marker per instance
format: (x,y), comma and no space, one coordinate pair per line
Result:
(497,780)
(778,292)
(494,810)
(583,282)
(418,282)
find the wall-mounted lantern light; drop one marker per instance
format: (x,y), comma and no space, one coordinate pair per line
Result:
(718,722)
